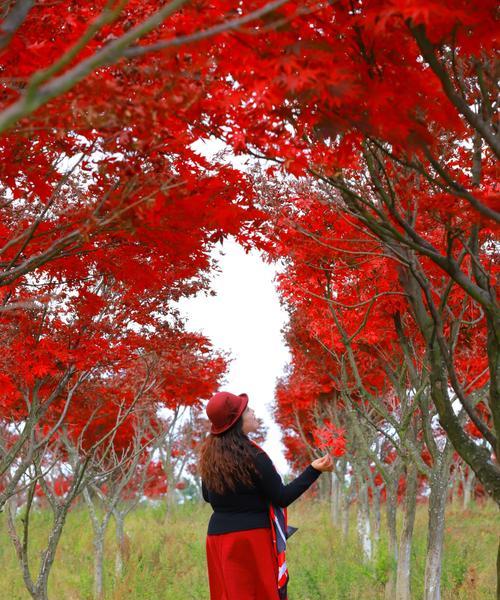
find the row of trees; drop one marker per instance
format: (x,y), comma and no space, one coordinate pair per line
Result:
(96,376)
(389,238)
(107,219)
(361,379)
(387,110)
(385,115)
(110,484)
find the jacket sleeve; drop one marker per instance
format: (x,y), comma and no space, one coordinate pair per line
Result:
(204,492)
(272,485)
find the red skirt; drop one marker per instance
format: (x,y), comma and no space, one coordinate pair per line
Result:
(242,565)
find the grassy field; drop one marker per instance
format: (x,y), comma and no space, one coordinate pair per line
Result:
(167,560)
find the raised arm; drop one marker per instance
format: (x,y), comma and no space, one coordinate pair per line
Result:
(272,486)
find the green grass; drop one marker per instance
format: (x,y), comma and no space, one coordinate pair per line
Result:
(167,560)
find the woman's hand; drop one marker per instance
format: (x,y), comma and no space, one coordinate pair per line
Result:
(325,463)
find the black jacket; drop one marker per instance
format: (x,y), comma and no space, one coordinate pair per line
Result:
(248,506)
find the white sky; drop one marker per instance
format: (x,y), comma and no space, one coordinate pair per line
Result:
(245,318)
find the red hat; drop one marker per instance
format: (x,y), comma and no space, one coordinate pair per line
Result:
(224,409)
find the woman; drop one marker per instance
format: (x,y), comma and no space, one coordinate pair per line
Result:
(247,530)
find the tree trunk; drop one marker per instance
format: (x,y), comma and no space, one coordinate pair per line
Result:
(435,538)
(324,488)
(498,570)
(98,564)
(335,500)
(476,456)
(99,527)
(468,486)
(170,500)
(346,505)
(390,510)
(455,487)
(121,545)
(38,590)
(493,350)
(49,554)
(376,519)
(405,540)
(364,526)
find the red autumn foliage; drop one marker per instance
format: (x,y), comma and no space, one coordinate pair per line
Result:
(373,101)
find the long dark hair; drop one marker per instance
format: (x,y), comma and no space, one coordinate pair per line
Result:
(227,459)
